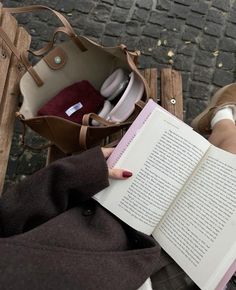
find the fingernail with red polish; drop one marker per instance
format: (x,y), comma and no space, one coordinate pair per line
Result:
(127,174)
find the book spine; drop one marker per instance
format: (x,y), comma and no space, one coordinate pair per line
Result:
(131,133)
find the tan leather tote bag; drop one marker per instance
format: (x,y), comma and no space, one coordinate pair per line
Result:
(80,59)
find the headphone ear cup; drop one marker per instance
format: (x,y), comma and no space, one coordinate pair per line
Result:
(107,107)
(114,84)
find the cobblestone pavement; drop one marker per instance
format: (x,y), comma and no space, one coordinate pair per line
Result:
(194,36)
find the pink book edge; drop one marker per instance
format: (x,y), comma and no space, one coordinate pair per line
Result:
(227,276)
(131,132)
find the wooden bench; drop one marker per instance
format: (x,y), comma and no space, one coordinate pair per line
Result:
(10,72)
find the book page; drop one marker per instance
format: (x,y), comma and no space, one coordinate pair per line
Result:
(162,156)
(199,231)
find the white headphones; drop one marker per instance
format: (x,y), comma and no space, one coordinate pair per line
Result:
(114,84)
(107,107)
(118,82)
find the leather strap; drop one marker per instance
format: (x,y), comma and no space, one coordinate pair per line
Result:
(49,45)
(83,137)
(67,28)
(92,116)
(84,131)
(33,8)
(31,70)
(22,58)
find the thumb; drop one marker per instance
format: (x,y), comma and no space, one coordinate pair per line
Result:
(117,173)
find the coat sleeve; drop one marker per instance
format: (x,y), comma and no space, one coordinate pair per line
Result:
(51,191)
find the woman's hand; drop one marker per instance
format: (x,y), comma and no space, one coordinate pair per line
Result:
(115,173)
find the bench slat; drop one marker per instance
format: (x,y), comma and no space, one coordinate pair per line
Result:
(171,92)
(150,75)
(10,101)
(9,25)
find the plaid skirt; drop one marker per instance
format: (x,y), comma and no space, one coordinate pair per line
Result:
(172,277)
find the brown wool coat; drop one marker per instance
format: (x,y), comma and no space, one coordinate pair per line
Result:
(54,236)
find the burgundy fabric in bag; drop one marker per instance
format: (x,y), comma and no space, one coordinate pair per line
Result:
(81,97)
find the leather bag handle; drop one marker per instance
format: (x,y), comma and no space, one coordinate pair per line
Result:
(22,58)
(67,28)
(84,132)
(92,116)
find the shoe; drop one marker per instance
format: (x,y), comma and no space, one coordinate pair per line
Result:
(223,97)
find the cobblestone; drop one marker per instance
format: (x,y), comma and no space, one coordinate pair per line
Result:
(196,20)
(111,2)
(94,29)
(186,2)
(183,63)
(215,16)
(102,13)
(226,61)
(82,6)
(213,29)
(200,7)
(113,29)
(232,16)
(202,74)
(208,42)
(204,58)
(133,28)
(170,38)
(119,14)
(199,91)
(223,5)
(152,31)
(191,34)
(158,18)
(187,49)
(222,77)
(124,3)
(141,15)
(227,44)
(231,31)
(179,11)
(163,5)
(147,4)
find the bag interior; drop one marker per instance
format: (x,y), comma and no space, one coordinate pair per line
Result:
(95,65)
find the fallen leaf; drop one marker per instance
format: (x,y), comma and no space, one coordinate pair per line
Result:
(170,53)
(216,53)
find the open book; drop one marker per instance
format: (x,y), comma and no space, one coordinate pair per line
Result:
(183,192)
